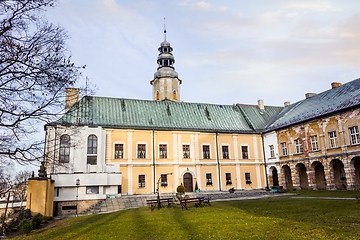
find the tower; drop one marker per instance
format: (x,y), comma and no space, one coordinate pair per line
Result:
(166,84)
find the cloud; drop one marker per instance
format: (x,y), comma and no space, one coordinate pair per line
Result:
(312,6)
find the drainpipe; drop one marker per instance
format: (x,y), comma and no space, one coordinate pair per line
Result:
(153,157)
(218,161)
(263,147)
(53,165)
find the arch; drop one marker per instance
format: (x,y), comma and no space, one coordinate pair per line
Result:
(338,174)
(174,95)
(286,171)
(355,162)
(64,150)
(157,95)
(274,176)
(320,181)
(188,182)
(303,177)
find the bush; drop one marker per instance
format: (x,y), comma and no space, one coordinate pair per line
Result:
(180,189)
(36,221)
(25,226)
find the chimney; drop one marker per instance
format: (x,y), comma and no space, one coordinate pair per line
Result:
(72,96)
(261,105)
(335,84)
(287,103)
(309,95)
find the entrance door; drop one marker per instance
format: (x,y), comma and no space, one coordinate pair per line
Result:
(188,182)
(275,177)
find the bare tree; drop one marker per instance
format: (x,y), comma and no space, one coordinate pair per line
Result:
(35,69)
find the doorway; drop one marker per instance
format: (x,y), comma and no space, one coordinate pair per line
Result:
(188,182)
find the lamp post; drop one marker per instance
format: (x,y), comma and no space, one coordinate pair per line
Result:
(77,194)
(158,191)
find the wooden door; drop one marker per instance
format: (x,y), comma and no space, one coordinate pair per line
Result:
(188,182)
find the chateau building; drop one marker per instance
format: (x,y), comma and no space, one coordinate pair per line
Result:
(104,146)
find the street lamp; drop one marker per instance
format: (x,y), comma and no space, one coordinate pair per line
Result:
(158,191)
(77,194)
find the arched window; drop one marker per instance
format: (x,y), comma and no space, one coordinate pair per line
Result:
(174,95)
(157,95)
(64,152)
(92,150)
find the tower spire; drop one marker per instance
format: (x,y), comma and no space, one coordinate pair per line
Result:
(164,30)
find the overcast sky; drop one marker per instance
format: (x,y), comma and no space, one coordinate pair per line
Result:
(225,52)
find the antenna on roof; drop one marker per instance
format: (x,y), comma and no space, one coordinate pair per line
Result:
(164,30)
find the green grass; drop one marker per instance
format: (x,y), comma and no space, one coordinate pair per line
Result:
(270,218)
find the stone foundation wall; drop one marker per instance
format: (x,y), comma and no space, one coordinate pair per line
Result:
(82,205)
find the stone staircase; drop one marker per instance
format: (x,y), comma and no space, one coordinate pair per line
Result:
(119,202)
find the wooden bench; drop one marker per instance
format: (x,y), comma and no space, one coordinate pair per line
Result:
(153,202)
(198,202)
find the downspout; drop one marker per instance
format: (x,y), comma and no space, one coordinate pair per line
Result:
(153,157)
(218,161)
(263,147)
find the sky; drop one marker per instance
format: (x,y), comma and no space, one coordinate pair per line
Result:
(225,52)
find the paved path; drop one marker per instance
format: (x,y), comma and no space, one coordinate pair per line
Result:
(122,202)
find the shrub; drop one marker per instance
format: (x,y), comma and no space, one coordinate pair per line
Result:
(36,221)
(25,226)
(180,188)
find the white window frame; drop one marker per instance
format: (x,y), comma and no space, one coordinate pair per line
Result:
(272,151)
(298,146)
(228,151)
(332,139)
(314,143)
(137,150)
(202,150)
(123,154)
(248,151)
(354,135)
(163,155)
(209,183)
(183,152)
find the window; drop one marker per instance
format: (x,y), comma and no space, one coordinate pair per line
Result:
(163,150)
(272,153)
(141,151)
(225,152)
(247,178)
(283,149)
(208,179)
(57,192)
(163,178)
(332,139)
(174,95)
(314,143)
(92,150)
(157,95)
(186,151)
(64,153)
(244,152)
(298,146)
(141,181)
(206,151)
(354,135)
(228,178)
(119,151)
(92,190)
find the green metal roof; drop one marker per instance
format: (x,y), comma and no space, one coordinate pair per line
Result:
(158,115)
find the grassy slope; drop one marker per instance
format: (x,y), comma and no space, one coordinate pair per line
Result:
(271,218)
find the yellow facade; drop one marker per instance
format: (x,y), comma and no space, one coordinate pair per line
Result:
(40,196)
(215,161)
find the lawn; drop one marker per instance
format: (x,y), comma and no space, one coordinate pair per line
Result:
(286,217)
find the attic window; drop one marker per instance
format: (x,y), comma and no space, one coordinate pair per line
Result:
(207,113)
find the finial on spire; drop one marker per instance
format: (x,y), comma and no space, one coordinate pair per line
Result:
(164,30)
